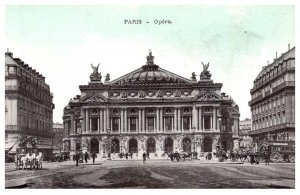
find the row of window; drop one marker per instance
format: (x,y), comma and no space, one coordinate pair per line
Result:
(269,105)
(269,121)
(186,123)
(272,72)
(36,92)
(30,122)
(34,108)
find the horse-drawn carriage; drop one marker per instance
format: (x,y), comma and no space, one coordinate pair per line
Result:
(27,155)
(279,151)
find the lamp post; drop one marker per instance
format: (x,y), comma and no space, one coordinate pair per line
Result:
(108,144)
(194,138)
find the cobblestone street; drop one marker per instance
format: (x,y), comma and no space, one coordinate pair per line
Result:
(153,174)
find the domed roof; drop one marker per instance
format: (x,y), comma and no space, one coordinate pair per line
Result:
(150,72)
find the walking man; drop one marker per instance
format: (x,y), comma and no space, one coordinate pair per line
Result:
(76,158)
(85,157)
(94,155)
(144,157)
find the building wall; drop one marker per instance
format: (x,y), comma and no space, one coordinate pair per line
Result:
(273,100)
(201,117)
(28,105)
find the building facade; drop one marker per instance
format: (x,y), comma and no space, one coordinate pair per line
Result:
(28,105)
(273,101)
(151,110)
(58,135)
(245,139)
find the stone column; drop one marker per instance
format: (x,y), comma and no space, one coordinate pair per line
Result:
(194,117)
(190,123)
(120,123)
(175,119)
(143,120)
(86,120)
(200,119)
(125,120)
(197,119)
(161,119)
(146,124)
(140,121)
(214,118)
(101,121)
(218,119)
(211,122)
(157,120)
(90,120)
(122,120)
(98,121)
(105,120)
(179,120)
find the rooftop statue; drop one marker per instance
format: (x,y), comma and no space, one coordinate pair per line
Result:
(205,74)
(95,69)
(193,78)
(150,58)
(95,76)
(107,77)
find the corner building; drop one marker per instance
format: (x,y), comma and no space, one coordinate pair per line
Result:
(28,106)
(273,102)
(151,110)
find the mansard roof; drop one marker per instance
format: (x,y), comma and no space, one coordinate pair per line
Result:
(290,54)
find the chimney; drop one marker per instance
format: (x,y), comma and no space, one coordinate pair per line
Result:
(276,54)
(289,46)
(268,62)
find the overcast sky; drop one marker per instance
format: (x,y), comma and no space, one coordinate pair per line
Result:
(61,42)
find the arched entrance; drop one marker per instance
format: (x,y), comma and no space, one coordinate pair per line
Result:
(168,145)
(207,144)
(115,146)
(151,145)
(133,146)
(94,145)
(186,145)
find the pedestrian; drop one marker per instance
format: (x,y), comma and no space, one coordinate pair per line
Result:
(94,155)
(86,157)
(144,157)
(171,156)
(76,158)
(126,155)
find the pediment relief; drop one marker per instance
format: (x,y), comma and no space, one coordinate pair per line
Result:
(207,96)
(94,98)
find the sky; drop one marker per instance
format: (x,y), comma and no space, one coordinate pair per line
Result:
(61,42)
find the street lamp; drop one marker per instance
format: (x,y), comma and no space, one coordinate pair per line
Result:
(194,138)
(108,144)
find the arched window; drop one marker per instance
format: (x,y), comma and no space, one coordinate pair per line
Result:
(168,145)
(94,145)
(207,144)
(151,145)
(115,146)
(133,146)
(186,145)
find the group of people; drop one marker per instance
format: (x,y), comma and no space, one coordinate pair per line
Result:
(79,155)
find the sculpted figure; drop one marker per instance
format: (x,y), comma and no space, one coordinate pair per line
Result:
(95,69)
(205,66)
(205,74)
